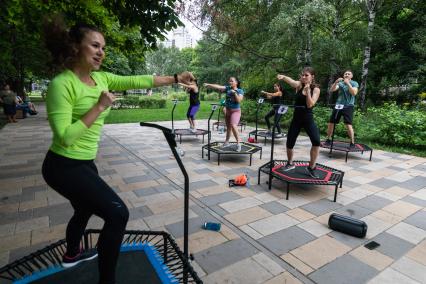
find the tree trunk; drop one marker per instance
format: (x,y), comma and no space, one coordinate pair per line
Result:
(371,8)
(333,65)
(308,50)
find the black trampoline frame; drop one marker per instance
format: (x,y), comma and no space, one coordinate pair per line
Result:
(222,123)
(209,145)
(204,132)
(51,255)
(257,131)
(347,150)
(336,178)
(176,261)
(211,148)
(322,145)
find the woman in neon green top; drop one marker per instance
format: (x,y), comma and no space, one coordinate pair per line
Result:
(78,101)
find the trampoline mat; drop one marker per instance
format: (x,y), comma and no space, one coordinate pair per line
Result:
(232,148)
(300,174)
(344,146)
(184,131)
(134,266)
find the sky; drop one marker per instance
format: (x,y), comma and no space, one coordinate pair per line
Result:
(195,33)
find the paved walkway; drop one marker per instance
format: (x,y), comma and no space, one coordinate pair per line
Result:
(264,238)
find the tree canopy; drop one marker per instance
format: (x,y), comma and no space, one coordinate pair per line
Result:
(130,28)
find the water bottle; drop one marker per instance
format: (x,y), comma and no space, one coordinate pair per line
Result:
(221,129)
(211,226)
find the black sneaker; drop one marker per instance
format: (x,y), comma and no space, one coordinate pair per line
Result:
(68,262)
(288,167)
(311,172)
(327,142)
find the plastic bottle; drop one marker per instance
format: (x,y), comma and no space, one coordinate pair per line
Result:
(211,226)
(221,129)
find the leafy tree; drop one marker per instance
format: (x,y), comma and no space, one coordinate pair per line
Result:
(131,27)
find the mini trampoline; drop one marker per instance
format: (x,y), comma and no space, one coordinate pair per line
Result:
(219,149)
(185,131)
(145,257)
(345,147)
(261,132)
(219,123)
(266,135)
(327,175)
(298,175)
(340,145)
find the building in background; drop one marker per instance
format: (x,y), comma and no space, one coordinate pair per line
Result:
(179,38)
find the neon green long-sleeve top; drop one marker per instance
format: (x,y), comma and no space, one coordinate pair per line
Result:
(69,99)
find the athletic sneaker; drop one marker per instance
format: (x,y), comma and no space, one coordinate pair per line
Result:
(238,147)
(68,262)
(311,172)
(193,130)
(225,144)
(289,167)
(327,142)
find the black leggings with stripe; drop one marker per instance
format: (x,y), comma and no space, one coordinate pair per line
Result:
(80,183)
(302,119)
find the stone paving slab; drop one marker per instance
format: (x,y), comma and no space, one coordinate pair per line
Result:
(264,237)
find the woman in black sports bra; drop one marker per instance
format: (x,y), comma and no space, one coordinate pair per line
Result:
(307,94)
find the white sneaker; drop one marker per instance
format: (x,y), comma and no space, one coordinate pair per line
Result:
(194,130)
(225,144)
(238,147)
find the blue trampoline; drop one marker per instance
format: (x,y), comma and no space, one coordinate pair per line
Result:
(146,256)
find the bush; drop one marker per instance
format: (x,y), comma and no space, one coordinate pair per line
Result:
(152,102)
(389,124)
(180,96)
(394,125)
(213,96)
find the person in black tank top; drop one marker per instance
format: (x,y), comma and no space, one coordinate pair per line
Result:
(275,98)
(307,94)
(194,103)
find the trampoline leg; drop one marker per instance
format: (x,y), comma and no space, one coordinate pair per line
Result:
(261,154)
(258,176)
(218,159)
(371,154)
(341,181)
(180,139)
(250,158)
(288,190)
(346,160)
(335,192)
(203,139)
(165,250)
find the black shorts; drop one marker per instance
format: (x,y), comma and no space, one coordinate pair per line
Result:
(9,109)
(347,112)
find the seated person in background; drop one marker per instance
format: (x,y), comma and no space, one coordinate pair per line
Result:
(26,106)
(8,98)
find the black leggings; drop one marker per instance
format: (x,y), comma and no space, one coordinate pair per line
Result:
(80,183)
(270,114)
(304,119)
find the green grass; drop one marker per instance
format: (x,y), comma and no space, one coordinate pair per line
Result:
(164,114)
